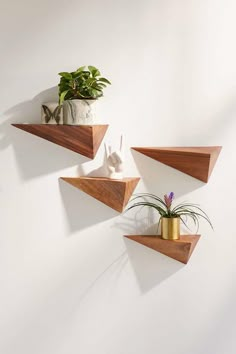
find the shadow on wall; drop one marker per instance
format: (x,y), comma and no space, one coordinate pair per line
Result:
(150,267)
(116,267)
(219,335)
(136,222)
(34,156)
(101,171)
(81,209)
(216,125)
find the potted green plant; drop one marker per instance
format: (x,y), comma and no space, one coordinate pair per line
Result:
(78,91)
(170,217)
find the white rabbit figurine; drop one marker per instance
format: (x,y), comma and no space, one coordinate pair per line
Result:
(114,161)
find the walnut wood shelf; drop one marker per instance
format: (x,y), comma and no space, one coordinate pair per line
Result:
(197,162)
(83,139)
(181,250)
(112,192)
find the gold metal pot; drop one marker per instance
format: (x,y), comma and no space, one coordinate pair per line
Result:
(170,228)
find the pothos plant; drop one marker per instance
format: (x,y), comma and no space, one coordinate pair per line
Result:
(164,207)
(84,83)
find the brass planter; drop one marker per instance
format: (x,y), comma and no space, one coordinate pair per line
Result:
(170,228)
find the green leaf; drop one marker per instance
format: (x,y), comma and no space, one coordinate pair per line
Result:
(160,210)
(99,87)
(62,96)
(71,84)
(91,81)
(76,74)
(66,75)
(104,80)
(63,80)
(149,195)
(94,71)
(96,87)
(80,94)
(80,69)
(102,85)
(93,92)
(92,68)
(86,74)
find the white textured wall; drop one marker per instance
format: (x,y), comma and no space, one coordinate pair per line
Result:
(69,282)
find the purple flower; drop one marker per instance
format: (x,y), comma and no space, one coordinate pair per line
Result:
(171,196)
(168,199)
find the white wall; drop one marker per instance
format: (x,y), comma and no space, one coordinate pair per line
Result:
(69,282)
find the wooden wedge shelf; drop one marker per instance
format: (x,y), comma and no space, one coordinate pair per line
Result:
(83,139)
(181,250)
(197,162)
(112,192)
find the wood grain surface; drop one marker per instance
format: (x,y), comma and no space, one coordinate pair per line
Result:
(197,162)
(83,139)
(181,250)
(114,193)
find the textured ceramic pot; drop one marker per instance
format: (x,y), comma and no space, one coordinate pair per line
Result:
(79,112)
(51,113)
(170,228)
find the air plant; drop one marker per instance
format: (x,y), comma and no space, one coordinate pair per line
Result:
(165,209)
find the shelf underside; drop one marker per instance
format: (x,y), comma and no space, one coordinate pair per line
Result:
(181,250)
(197,162)
(83,139)
(113,193)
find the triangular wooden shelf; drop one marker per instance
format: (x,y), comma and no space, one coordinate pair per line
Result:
(83,139)
(181,250)
(197,162)
(112,192)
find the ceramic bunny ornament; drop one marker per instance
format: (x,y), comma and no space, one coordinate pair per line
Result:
(114,161)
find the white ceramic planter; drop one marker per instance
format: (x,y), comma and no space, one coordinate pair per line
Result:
(51,113)
(78,112)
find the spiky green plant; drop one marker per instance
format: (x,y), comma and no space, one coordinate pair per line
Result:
(165,209)
(84,83)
